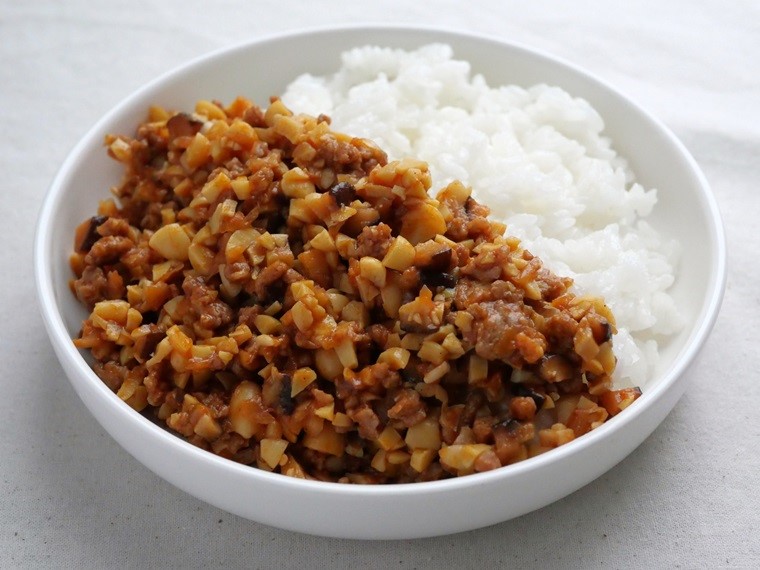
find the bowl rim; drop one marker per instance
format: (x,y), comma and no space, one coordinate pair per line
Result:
(69,355)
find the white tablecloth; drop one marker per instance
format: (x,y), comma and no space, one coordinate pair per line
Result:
(71,497)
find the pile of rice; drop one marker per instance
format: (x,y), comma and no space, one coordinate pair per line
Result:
(537,157)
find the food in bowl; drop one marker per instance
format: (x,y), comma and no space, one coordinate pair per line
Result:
(281,295)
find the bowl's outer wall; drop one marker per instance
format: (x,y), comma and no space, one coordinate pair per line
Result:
(686,211)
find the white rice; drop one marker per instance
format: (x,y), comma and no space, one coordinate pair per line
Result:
(537,157)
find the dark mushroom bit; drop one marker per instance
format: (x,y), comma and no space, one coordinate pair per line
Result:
(282,295)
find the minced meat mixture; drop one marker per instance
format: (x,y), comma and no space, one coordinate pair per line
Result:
(283,296)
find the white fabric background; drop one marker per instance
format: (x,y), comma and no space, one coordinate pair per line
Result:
(687,498)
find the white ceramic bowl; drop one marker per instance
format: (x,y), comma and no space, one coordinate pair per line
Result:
(687,211)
